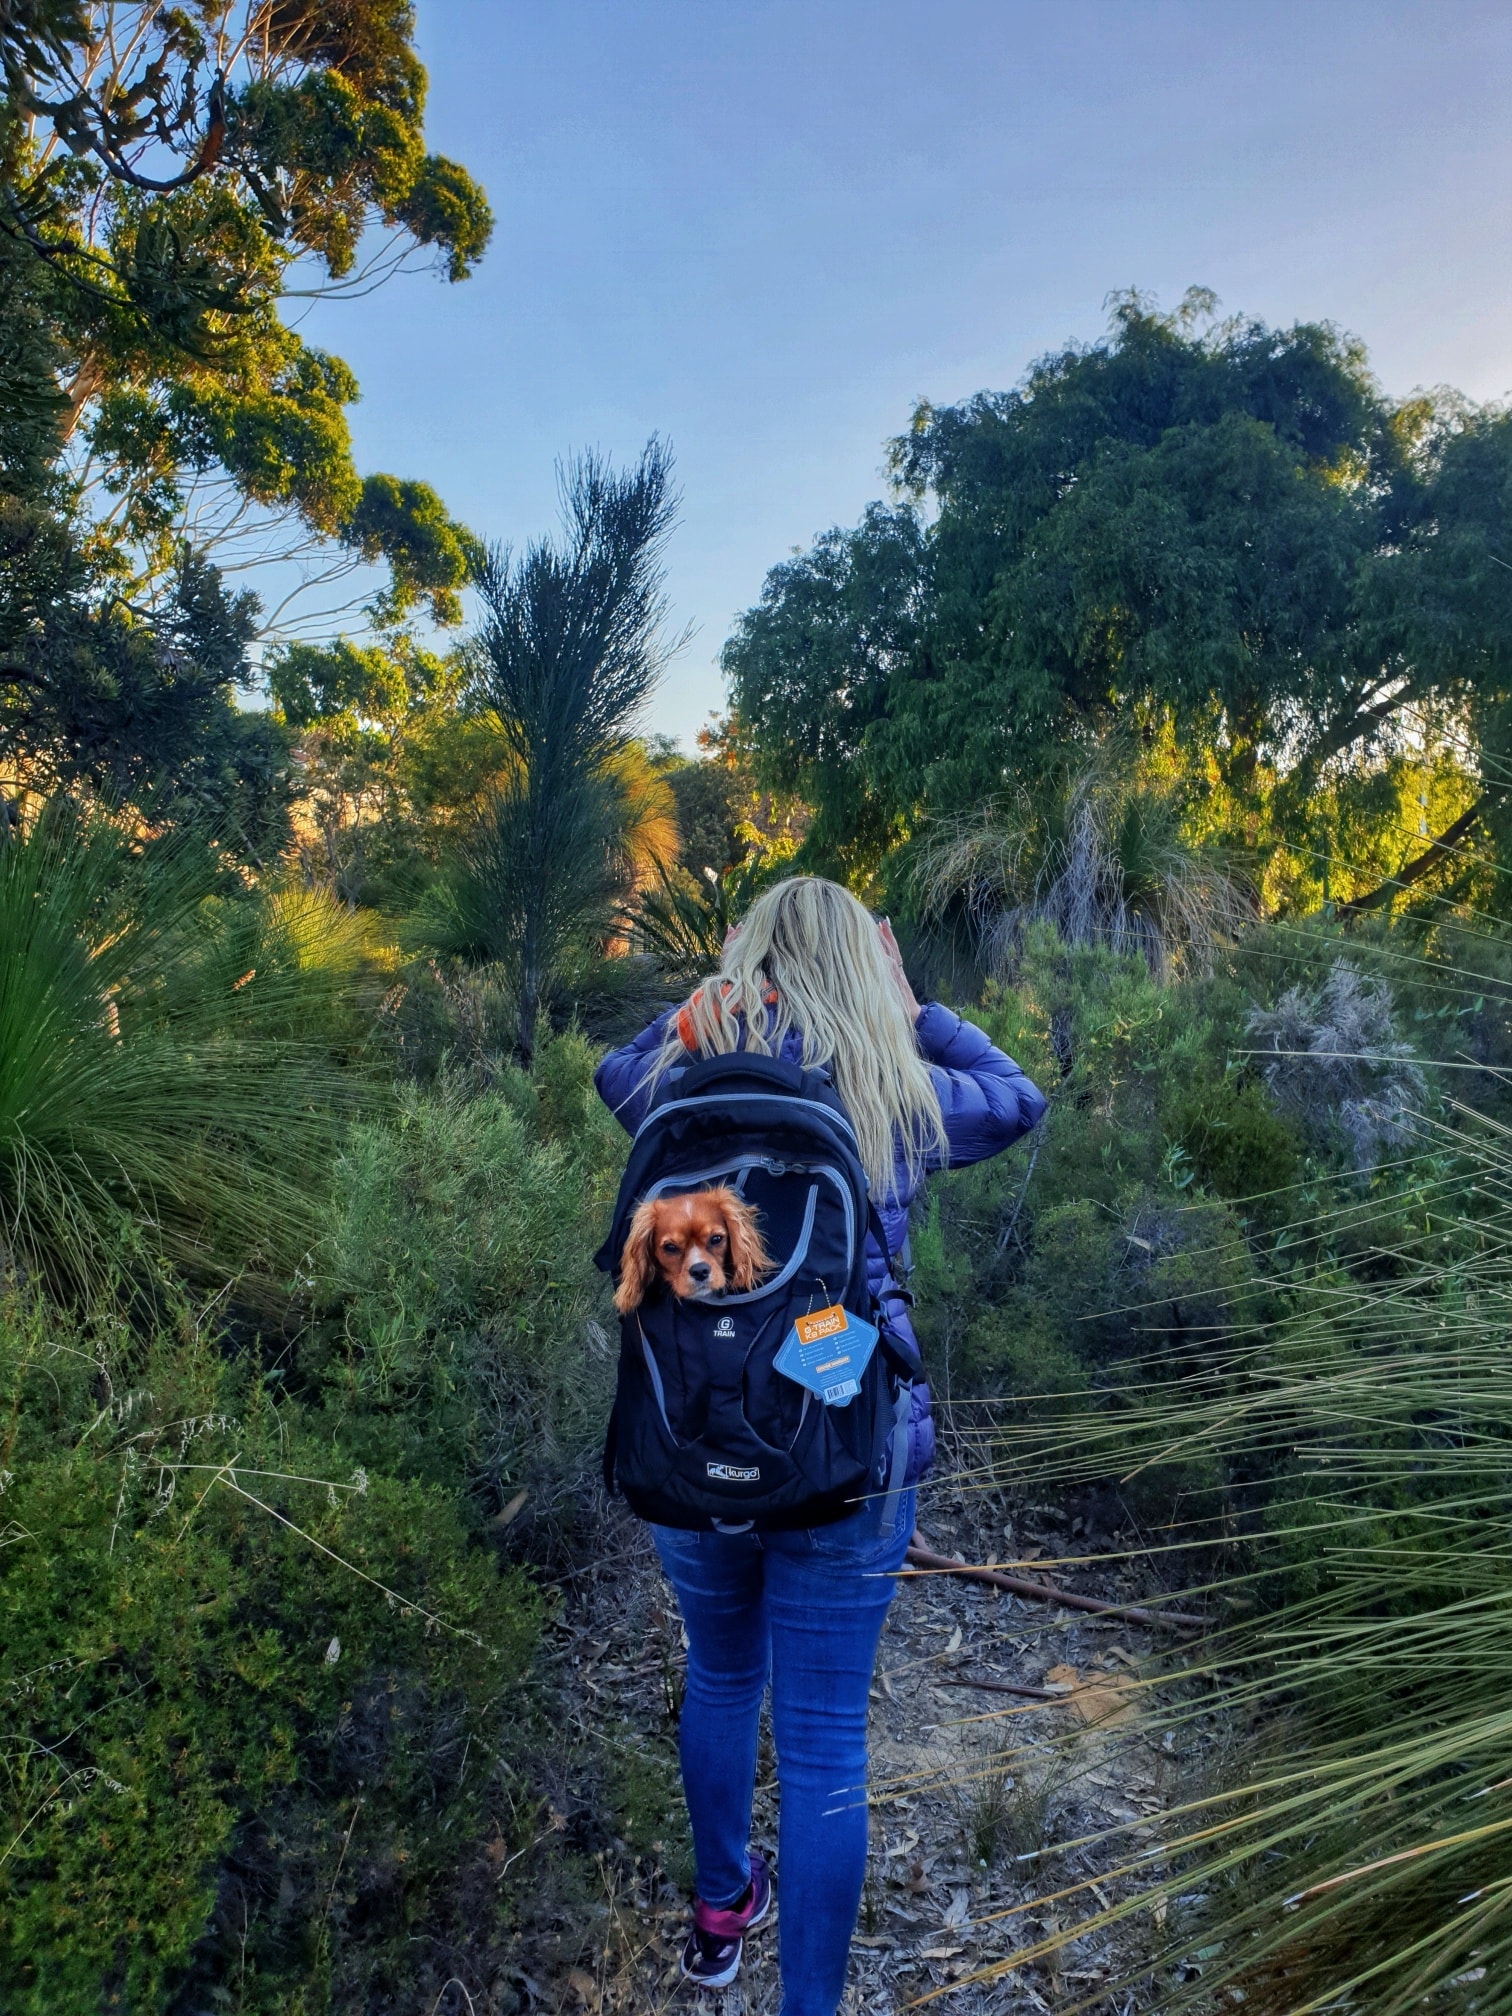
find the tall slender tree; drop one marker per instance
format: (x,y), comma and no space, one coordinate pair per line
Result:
(573,644)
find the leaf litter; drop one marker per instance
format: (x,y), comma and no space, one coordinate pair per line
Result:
(977,1811)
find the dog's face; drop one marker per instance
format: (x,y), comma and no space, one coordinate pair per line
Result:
(700,1244)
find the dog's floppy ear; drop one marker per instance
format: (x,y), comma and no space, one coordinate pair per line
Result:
(748,1257)
(637,1268)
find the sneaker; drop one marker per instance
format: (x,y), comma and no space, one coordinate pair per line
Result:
(711,1957)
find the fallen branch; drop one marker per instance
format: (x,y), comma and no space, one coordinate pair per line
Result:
(1047,1592)
(1006,1687)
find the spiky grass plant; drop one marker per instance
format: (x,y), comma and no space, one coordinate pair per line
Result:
(1357,1857)
(683,920)
(1103,859)
(169,1085)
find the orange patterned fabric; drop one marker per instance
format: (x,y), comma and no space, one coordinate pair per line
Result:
(685,1017)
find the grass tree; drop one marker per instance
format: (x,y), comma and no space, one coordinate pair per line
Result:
(171,1089)
(1102,857)
(570,650)
(1342,1476)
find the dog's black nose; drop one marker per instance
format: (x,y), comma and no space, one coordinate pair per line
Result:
(700,1271)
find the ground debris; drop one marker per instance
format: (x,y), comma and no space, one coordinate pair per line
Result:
(975,1793)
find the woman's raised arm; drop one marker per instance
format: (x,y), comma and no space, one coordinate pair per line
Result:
(986,1101)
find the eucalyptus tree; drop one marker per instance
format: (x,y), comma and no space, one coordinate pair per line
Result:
(1213,532)
(175,176)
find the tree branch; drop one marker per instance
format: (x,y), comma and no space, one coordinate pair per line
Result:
(1417,868)
(1343,732)
(1050,1592)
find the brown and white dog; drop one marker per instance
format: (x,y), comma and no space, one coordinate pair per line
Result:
(700,1244)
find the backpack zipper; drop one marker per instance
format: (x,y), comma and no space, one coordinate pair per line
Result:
(841,1120)
(726,1168)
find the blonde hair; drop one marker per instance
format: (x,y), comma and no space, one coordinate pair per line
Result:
(807,956)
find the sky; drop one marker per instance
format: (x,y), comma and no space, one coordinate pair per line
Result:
(764,228)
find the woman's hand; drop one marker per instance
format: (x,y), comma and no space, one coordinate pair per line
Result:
(906,994)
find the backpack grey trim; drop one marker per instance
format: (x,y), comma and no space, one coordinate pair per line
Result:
(656,1383)
(795,1260)
(716,1099)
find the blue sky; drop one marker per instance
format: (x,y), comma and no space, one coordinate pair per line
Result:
(762,228)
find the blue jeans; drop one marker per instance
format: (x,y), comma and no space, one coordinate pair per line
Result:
(807,1608)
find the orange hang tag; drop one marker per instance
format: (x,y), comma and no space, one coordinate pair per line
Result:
(821,1323)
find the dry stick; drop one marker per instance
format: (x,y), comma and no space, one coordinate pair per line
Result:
(1005,1687)
(1047,1592)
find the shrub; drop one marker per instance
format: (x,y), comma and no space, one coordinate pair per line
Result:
(1238,1144)
(1155,1274)
(1338,1066)
(464,1304)
(242,1682)
(443,1017)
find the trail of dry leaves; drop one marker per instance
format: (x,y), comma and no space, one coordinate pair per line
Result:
(976,1790)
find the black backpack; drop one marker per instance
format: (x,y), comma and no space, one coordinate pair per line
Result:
(705,1433)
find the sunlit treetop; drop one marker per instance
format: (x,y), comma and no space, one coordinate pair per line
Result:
(175,174)
(1212,530)
(310,111)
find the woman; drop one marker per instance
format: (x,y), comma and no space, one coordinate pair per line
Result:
(810,977)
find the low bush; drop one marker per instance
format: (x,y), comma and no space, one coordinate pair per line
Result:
(258,1702)
(464,1336)
(1236,1141)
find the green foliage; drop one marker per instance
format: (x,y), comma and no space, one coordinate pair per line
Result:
(1351,1528)
(1213,532)
(395,762)
(32,404)
(711,799)
(136,708)
(1099,855)
(241,1679)
(1171,1197)
(1276,1332)
(470,1350)
(430,554)
(170,1086)
(160,206)
(683,921)
(810,669)
(1236,1141)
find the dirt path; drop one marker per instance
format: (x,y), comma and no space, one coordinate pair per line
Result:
(976,1793)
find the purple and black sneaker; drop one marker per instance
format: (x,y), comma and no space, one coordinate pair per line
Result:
(711,1957)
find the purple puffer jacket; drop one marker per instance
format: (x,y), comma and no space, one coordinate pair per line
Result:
(987,1104)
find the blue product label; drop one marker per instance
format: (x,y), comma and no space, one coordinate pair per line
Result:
(827,1351)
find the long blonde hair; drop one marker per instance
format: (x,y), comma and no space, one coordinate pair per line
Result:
(808,956)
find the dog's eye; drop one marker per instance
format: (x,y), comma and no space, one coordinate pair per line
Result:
(716,1239)
(671,1248)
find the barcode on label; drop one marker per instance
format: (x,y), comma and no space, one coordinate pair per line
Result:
(846,1390)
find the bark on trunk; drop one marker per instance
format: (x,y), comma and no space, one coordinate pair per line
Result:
(87,381)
